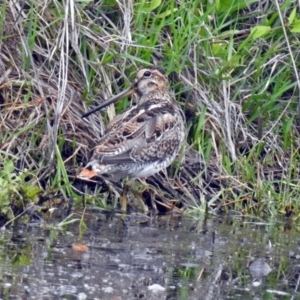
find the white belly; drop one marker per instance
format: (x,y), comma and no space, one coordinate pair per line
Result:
(150,169)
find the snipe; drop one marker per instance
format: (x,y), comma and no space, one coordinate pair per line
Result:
(144,139)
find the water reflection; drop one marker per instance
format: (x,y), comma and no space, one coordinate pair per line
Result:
(140,257)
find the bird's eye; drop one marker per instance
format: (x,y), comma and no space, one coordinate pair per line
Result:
(147,74)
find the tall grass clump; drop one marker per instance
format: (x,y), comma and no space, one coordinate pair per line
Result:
(233,68)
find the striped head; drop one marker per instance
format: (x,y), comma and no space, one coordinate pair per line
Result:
(150,80)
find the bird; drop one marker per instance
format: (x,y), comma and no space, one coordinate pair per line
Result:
(143,140)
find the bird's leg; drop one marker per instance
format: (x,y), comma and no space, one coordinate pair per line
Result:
(128,186)
(139,199)
(152,198)
(123,197)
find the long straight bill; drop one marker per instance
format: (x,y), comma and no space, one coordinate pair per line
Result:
(109,101)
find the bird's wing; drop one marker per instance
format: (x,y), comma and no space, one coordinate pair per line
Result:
(130,137)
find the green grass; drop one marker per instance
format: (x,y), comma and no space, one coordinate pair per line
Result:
(233,67)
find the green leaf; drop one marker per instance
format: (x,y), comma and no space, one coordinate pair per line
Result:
(259,31)
(152,5)
(292,16)
(231,6)
(295,26)
(167,13)
(4,202)
(30,191)
(8,167)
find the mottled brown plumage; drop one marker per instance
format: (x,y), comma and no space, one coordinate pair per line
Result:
(144,139)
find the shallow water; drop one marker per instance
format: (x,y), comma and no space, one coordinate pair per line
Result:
(166,257)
